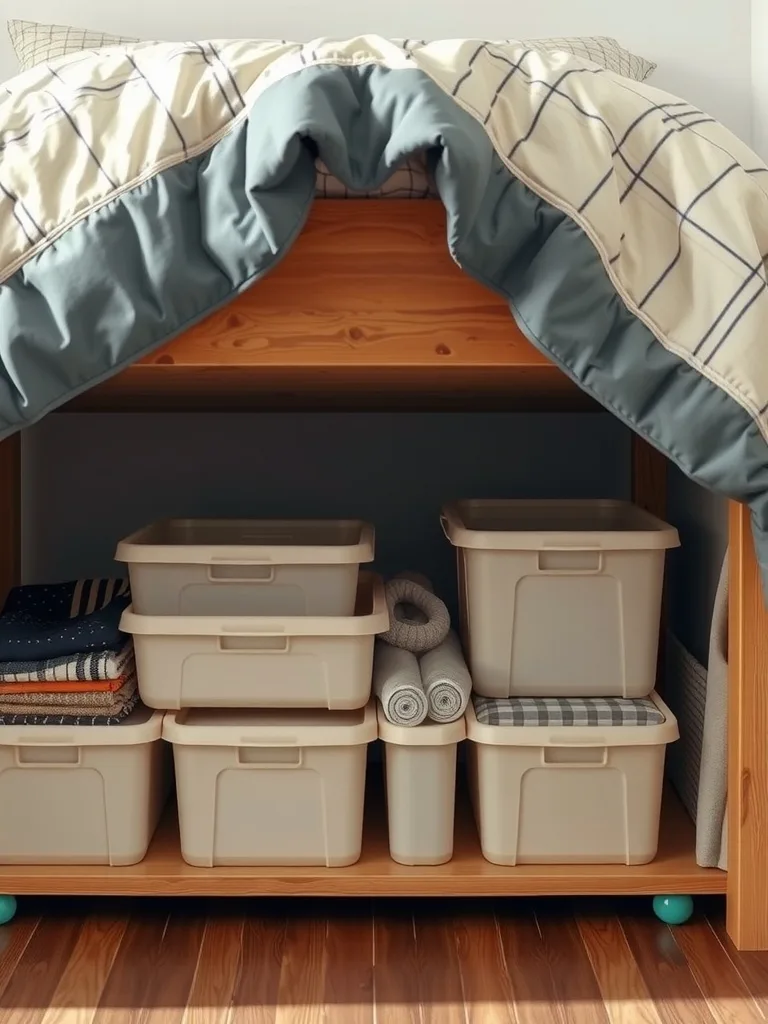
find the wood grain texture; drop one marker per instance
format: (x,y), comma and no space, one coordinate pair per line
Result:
(367,304)
(14,940)
(752,966)
(302,977)
(622,987)
(395,970)
(747,878)
(348,984)
(533,990)
(665,971)
(163,872)
(574,982)
(33,983)
(218,966)
(255,997)
(124,993)
(76,997)
(10,514)
(390,961)
(440,992)
(166,995)
(485,981)
(725,991)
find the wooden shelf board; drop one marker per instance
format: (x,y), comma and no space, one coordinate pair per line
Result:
(366,308)
(163,872)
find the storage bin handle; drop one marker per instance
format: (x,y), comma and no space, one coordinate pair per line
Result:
(270,757)
(46,754)
(575,755)
(255,643)
(562,560)
(252,570)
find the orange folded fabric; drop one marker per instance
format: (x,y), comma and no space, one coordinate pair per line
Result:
(59,686)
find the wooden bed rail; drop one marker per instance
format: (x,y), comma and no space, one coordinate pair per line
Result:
(747,911)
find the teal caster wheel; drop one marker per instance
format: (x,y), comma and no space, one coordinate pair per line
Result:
(7,909)
(673,909)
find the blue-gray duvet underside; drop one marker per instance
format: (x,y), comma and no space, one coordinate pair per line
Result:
(592,207)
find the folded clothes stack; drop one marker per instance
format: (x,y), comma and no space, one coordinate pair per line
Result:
(63,659)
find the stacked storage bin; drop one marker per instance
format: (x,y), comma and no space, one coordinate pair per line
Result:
(83,771)
(560,607)
(257,638)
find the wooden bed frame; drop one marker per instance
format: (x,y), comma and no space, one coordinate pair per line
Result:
(369,311)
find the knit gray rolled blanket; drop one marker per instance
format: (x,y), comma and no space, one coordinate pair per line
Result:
(419,620)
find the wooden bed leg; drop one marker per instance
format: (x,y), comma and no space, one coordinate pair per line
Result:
(747,883)
(10,514)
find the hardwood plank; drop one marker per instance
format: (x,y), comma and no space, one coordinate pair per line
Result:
(574,983)
(256,993)
(395,972)
(747,879)
(484,978)
(14,939)
(10,514)
(79,990)
(752,966)
(440,993)
(665,971)
(163,872)
(533,990)
(33,983)
(124,992)
(171,981)
(624,992)
(339,318)
(300,996)
(217,970)
(728,998)
(348,995)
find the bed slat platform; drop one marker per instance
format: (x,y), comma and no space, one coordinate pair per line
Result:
(369,311)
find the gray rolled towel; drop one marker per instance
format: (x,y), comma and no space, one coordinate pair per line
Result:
(418,619)
(397,684)
(446,680)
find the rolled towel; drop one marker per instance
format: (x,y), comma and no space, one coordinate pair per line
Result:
(446,680)
(418,619)
(397,684)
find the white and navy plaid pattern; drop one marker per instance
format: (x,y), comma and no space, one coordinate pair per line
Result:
(676,206)
(574,711)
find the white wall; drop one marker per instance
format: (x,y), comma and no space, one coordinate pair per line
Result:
(759,64)
(702,46)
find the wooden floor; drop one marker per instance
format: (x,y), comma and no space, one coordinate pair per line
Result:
(364,961)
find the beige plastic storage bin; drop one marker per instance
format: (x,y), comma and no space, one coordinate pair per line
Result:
(271,787)
(289,661)
(82,794)
(559,598)
(420,774)
(246,566)
(568,795)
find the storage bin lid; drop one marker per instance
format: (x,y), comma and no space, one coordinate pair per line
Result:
(371,617)
(268,727)
(250,542)
(511,525)
(570,721)
(142,726)
(428,734)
